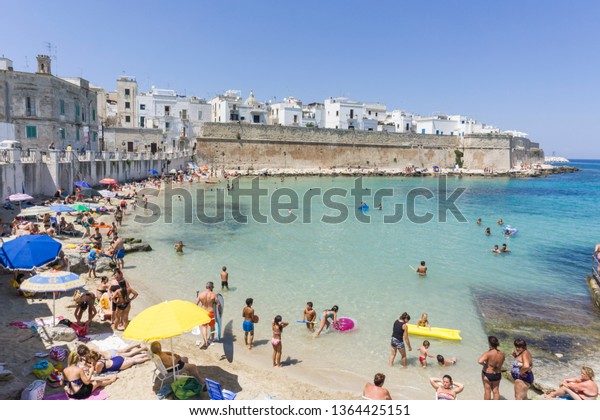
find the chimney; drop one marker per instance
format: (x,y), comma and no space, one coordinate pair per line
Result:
(43,62)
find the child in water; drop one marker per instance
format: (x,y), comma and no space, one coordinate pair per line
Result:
(423,322)
(179,247)
(424,353)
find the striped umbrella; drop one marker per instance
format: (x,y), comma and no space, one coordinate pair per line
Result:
(53,281)
(35,211)
(108,181)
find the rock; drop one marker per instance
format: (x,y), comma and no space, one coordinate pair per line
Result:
(61,333)
(137,247)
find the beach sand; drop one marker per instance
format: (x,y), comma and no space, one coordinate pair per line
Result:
(247,372)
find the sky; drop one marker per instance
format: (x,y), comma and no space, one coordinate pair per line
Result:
(520,65)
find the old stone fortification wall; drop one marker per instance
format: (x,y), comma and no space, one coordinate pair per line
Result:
(257,147)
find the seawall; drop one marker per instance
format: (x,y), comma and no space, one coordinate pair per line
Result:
(258,146)
(33,172)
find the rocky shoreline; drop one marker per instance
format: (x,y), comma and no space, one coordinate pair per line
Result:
(541,171)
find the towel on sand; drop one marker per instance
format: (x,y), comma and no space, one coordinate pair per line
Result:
(98,394)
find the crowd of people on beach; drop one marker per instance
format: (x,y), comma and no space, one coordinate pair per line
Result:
(113,297)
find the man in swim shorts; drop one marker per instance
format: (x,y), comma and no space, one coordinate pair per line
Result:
(207,300)
(422,270)
(119,251)
(224,278)
(309,316)
(248,325)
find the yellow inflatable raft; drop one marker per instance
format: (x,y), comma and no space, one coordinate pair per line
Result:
(443,333)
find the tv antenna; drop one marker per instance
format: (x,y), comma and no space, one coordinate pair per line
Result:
(52,54)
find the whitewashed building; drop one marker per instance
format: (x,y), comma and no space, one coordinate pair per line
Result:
(398,122)
(288,113)
(313,115)
(343,113)
(451,125)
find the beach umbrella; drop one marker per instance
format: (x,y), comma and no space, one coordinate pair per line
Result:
(173,171)
(166,320)
(28,252)
(204,167)
(20,197)
(53,281)
(82,184)
(108,181)
(107,194)
(35,211)
(90,193)
(61,208)
(153,171)
(80,207)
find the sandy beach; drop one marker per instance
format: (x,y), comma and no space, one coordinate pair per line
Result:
(250,375)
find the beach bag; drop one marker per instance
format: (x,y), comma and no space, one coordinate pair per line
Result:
(42,369)
(185,388)
(35,391)
(54,379)
(58,353)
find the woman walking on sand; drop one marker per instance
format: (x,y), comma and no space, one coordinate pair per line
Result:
(278,327)
(521,369)
(122,298)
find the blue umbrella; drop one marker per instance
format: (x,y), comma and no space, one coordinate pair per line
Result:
(28,252)
(61,208)
(82,184)
(153,171)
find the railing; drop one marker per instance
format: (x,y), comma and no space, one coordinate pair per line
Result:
(4,156)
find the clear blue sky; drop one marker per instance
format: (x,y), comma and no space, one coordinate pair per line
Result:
(520,65)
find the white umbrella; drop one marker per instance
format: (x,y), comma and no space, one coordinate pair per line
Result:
(20,197)
(107,193)
(35,211)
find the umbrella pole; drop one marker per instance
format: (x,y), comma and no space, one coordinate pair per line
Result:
(173,361)
(53,309)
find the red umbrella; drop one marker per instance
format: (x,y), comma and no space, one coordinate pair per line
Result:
(109,181)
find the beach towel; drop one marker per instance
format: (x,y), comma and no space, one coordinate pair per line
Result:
(107,341)
(98,394)
(38,322)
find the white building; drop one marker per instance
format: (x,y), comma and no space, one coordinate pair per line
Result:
(313,115)
(398,122)
(288,112)
(343,113)
(451,125)
(229,108)
(253,111)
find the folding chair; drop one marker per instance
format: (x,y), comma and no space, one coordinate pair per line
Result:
(162,373)
(215,392)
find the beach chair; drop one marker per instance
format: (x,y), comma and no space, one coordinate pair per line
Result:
(162,373)
(215,392)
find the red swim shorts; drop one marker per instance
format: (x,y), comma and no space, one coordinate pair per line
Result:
(212,319)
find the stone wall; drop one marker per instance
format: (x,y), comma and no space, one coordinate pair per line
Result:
(249,146)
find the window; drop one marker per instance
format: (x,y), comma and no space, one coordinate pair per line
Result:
(351,113)
(376,114)
(77,134)
(62,107)
(369,112)
(167,126)
(167,110)
(127,105)
(127,119)
(126,92)
(437,132)
(337,113)
(93,115)
(199,115)
(143,107)
(77,112)
(184,114)
(62,133)
(256,119)
(423,131)
(29,107)
(94,135)
(31,131)
(142,121)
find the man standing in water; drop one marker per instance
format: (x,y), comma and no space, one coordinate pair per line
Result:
(422,270)
(224,278)
(207,300)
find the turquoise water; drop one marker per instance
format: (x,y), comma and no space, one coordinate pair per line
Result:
(364,267)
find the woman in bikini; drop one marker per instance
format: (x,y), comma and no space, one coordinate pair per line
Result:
(278,327)
(581,388)
(78,381)
(445,388)
(521,369)
(122,299)
(115,364)
(325,317)
(492,361)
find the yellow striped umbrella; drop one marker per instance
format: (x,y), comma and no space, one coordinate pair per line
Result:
(52,281)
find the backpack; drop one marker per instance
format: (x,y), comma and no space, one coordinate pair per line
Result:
(185,388)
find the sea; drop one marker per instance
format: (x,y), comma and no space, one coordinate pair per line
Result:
(363,262)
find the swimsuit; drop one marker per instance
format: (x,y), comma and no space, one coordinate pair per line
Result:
(275,341)
(179,366)
(422,358)
(515,371)
(83,392)
(120,253)
(248,326)
(328,314)
(492,377)
(445,395)
(123,306)
(212,319)
(117,362)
